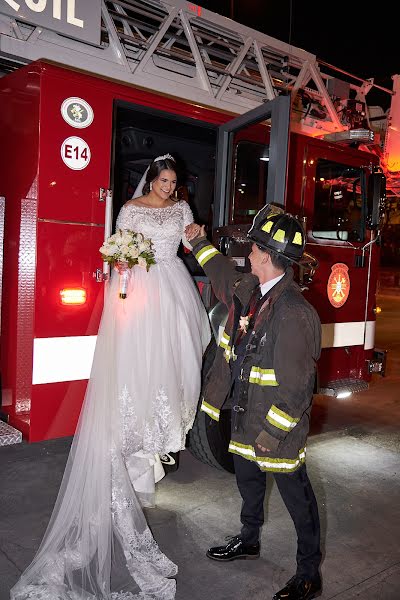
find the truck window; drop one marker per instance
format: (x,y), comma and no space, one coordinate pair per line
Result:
(338,203)
(249,181)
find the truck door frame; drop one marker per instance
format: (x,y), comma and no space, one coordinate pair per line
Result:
(278,111)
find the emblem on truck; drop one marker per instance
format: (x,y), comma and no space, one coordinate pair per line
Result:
(77,112)
(338,287)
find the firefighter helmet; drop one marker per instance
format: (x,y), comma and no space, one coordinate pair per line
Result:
(279,232)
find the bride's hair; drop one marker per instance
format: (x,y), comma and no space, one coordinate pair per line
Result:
(159,164)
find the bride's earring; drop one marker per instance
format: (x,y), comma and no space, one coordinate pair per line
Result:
(151,185)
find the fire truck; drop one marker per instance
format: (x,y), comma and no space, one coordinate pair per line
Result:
(251,120)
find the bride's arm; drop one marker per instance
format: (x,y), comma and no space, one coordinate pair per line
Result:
(187,222)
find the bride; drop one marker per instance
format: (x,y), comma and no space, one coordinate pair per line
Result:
(140,402)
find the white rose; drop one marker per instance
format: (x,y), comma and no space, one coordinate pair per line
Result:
(125,250)
(126,238)
(133,252)
(112,250)
(107,250)
(144,246)
(122,238)
(142,262)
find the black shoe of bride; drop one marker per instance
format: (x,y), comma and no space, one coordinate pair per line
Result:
(170,461)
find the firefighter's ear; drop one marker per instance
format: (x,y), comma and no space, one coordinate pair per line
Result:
(266,257)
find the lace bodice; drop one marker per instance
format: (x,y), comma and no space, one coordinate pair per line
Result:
(164,226)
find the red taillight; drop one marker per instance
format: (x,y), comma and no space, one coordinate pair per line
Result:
(73,296)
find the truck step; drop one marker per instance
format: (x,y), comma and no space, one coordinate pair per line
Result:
(9,435)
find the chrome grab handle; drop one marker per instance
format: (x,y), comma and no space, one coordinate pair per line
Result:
(99,276)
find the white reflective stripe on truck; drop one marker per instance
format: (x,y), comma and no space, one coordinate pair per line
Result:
(62,358)
(70,358)
(339,335)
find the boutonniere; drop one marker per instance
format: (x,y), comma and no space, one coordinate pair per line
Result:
(244,322)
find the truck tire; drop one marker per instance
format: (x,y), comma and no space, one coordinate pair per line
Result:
(208,440)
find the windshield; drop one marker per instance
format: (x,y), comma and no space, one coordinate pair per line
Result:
(338,204)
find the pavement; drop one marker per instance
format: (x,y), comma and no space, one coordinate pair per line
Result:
(353,461)
(389,280)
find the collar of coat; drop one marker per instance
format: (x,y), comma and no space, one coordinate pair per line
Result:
(248,282)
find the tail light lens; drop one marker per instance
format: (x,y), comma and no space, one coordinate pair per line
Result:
(73,296)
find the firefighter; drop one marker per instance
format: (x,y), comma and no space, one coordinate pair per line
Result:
(264,371)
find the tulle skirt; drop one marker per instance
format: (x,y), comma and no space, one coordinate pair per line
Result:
(161,332)
(141,400)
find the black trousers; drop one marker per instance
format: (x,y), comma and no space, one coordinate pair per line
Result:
(298,496)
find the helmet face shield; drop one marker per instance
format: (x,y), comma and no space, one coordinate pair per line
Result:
(278,231)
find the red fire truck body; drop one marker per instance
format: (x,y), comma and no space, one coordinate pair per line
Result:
(348,330)
(54,176)
(172,77)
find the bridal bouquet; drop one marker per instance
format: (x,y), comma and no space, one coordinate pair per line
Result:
(129,247)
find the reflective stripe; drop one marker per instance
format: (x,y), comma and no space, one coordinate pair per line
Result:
(204,255)
(369,335)
(279,236)
(282,465)
(262,376)
(357,333)
(62,358)
(298,238)
(210,410)
(267,226)
(280,419)
(224,342)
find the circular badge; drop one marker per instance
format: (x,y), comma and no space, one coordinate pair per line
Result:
(338,287)
(75,153)
(77,112)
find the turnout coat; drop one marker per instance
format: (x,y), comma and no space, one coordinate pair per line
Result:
(273,403)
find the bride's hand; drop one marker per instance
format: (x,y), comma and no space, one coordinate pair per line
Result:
(121,266)
(194,230)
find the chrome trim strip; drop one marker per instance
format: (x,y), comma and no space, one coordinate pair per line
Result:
(57,221)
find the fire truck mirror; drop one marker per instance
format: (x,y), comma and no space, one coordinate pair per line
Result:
(376,196)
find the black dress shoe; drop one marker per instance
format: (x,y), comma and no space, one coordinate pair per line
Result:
(170,461)
(299,588)
(235,548)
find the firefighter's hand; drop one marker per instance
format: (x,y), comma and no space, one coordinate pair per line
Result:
(121,266)
(263,449)
(194,230)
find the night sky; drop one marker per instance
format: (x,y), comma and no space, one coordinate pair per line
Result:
(341,33)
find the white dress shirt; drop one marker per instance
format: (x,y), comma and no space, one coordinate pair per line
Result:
(265,287)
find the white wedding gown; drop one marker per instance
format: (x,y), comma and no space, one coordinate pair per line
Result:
(141,400)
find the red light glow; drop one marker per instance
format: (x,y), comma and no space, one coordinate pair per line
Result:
(73,296)
(195,8)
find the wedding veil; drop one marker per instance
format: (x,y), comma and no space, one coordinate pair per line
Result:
(139,189)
